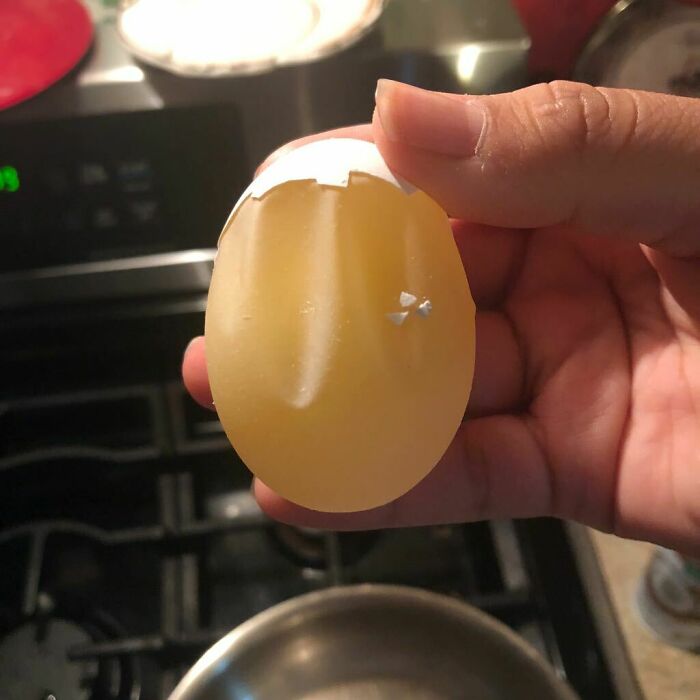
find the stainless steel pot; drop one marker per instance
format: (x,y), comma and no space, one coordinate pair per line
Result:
(371,642)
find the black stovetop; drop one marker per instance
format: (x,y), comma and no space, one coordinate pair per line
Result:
(129,543)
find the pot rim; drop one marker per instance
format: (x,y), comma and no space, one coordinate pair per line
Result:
(350,595)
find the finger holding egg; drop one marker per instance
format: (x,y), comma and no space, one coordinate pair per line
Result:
(339,329)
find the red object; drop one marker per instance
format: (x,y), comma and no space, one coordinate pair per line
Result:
(559,30)
(40,41)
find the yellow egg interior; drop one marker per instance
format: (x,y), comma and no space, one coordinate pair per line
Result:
(329,397)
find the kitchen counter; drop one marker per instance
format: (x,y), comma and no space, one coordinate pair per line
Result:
(660,671)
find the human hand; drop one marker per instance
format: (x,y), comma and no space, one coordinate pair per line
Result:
(583,255)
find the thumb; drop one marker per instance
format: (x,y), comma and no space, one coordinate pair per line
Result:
(604,161)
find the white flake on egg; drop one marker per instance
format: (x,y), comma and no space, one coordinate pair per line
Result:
(407,299)
(424,308)
(397,317)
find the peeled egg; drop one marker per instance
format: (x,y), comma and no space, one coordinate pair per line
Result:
(339,329)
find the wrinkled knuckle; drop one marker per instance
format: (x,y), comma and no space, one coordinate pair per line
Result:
(597,113)
(585,113)
(566,116)
(629,118)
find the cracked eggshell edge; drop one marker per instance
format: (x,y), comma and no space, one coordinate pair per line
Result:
(328,162)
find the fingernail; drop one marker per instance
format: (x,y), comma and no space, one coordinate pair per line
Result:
(449,125)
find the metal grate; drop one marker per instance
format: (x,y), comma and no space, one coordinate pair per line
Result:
(162,576)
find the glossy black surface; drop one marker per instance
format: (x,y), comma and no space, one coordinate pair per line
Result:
(114,186)
(129,508)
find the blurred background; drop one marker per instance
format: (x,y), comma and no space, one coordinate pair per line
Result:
(129,541)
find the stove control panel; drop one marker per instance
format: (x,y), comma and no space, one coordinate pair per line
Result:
(117,186)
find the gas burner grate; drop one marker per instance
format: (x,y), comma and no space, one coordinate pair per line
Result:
(170,551)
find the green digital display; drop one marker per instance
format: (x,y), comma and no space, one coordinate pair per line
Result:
(9,179)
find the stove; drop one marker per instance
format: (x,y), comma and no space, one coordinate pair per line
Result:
(129,541)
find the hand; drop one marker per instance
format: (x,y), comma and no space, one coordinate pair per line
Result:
(583,255)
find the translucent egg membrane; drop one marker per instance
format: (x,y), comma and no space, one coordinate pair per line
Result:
(339,330)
